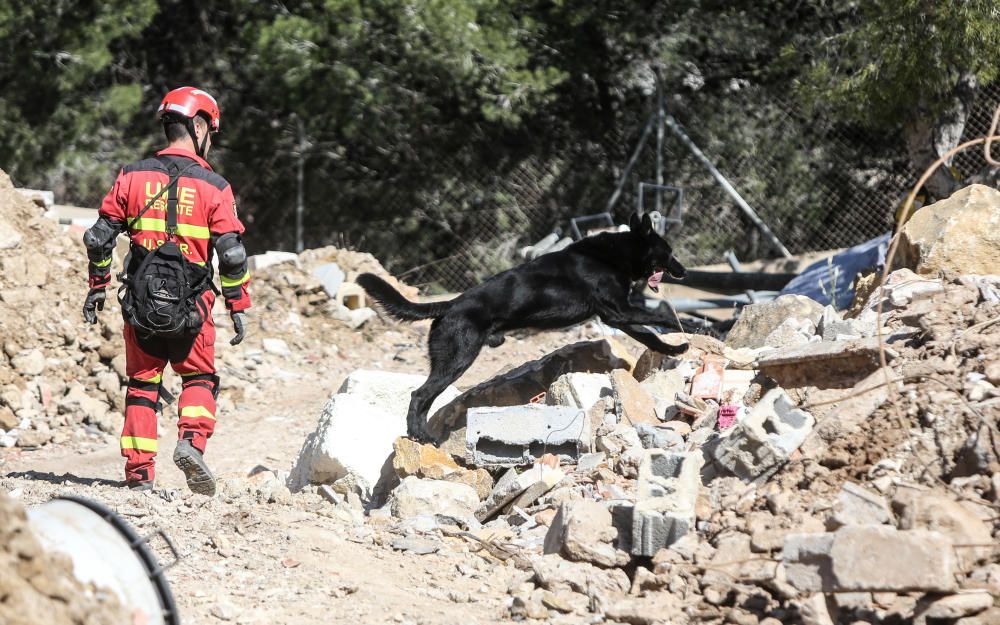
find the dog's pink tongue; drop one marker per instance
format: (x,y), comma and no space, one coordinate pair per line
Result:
(654,280)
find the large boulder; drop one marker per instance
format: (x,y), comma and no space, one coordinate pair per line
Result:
(960,233)
(758,321)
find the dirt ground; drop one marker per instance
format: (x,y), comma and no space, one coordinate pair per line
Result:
(248,561)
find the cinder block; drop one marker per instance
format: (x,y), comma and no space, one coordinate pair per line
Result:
(667,491)
(653,529)
(519,435)
(758,446)
(351,296)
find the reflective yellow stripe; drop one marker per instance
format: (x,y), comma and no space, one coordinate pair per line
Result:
(194,232)
(103,263)
(187,375)
(150,223)
(231,282)
(137,442)
(153,224)
(153,380)
(197,411)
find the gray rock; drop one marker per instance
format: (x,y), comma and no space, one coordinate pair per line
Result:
(31,362)
(858,506)
(415,497)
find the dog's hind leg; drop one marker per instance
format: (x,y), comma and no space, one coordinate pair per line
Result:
(453,345)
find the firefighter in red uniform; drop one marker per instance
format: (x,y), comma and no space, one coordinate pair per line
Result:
(206,224)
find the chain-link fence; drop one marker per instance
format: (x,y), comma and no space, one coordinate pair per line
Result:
(816,184)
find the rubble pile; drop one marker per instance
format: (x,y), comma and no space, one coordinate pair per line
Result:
(39,587)
(59,379)
(741,482)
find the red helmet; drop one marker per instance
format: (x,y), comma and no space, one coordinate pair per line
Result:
(188,102)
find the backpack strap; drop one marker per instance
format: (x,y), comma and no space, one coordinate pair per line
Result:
(171,186)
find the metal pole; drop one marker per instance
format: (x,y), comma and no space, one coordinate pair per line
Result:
(300,207)
(727,187)
(659,146)
(628,168)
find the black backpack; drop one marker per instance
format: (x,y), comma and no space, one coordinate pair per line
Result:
(161,290)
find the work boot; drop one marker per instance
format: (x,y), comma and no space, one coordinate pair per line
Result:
(139,486)
(190,461)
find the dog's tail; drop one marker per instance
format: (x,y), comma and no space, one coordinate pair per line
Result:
(397,305)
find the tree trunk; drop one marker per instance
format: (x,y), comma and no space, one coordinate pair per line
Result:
(927,139)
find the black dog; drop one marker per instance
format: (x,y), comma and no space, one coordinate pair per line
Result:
(590,277)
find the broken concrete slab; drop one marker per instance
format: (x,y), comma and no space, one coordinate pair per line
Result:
(858,357)
(519,435)
(582,531)
(632,403)
(870,558)
(518,386)
(414,497)
(579,390)
(758,445)
(757,321)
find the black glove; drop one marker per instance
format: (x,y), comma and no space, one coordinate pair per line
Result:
(238,319)
(93,303)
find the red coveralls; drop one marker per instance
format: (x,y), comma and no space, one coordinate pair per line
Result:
(205,209)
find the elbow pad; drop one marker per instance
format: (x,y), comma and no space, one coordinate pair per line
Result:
(99,239)
(232,254)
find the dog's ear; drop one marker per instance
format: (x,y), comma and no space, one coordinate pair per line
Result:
(633,222)
(647,224)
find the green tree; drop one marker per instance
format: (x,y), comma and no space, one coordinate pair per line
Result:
(912,64)
(63,117)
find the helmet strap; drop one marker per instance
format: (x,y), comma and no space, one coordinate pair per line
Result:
(199,148)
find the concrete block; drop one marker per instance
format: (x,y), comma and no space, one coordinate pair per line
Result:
(330,276)
(870,558)
(579,390)
(653,529)
(390,391)
(519,435)
(758,446)
(272,258)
